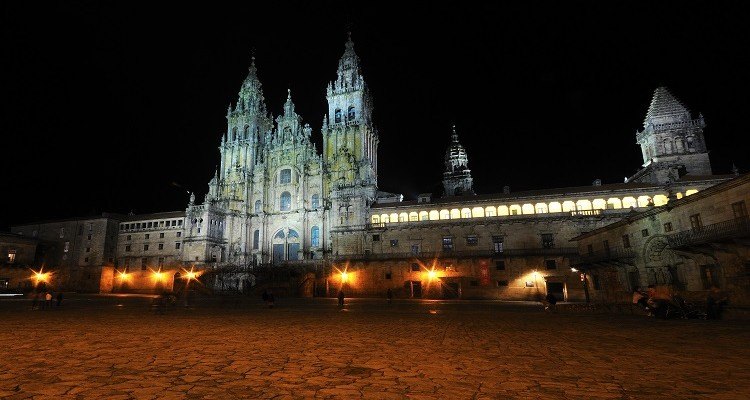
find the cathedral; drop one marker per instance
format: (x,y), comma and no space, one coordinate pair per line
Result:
(276,200)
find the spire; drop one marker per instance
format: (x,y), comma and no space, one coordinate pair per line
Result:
(735,170)
(457,176)
(289,105)
(454,136)
(665,108)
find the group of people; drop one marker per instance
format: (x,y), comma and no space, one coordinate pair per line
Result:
(659,301)
(42,300)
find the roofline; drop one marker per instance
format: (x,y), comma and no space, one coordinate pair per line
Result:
(742,179)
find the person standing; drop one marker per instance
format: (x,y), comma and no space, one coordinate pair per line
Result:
(341,298)
(35,302)
(270,299)
(551,301)
(59,298)
(389,295)
(48,299)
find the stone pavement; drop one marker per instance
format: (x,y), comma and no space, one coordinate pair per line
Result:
(115,348)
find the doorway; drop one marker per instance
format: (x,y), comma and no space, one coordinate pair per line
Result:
(557,289)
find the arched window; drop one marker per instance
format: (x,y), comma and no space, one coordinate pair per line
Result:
(285,176)
(279,235)
(256,239)
(315,236)
(293,234)
(315,202)
(337,115)
(286,202)
(258,207)
(350,114)
(234,133)
(246,132)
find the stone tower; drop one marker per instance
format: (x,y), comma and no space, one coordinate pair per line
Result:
(671,141)
(457,179)
(350,144)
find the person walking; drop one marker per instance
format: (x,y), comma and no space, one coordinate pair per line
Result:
(551,301)
(389,295)
(341,298)
(48,299)
(59,298)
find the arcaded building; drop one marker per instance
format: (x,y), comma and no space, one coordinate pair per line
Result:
(276,200)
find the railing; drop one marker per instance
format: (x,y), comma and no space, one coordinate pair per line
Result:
(612,254)
(554,251)
(718,232)
(579,213)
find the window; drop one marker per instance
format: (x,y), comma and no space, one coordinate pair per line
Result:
(150,224)
(550,264)
(179,234)
(128,237)
(415,249)
(161,261)
(626,241)
(350,114)
(161,246)
(388,275)
(256,239)
(695,221)
(644,232)
(315,202)
(315,236)
(497,244)
(472,240)
(500,265)
(415,267)
(145,247)
(161,235)
(337,115)
(739,209)
(88,249)
(285,176)
(177,245)
(709,276)
(179,222)
(86,259)
(502,283)
(548,240)
(88,237)
(394,242)
(147,236)
(447,243)
(667,227)
(375,238)
(286,201)
(143,263)
(11,256)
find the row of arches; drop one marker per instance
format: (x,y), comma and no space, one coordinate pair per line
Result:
(351,114)
(285,203)
(236,135)
(613,203)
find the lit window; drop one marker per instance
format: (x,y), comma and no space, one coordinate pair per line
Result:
(11,256)
(315,203)
(286,201)
(447,243)
(472,240)
(285,176)
(258,206)
(497,244)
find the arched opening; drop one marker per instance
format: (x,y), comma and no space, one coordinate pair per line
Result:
(465,213)
(643,201)
(315,236)
(555,207)
(256,239)
(350,114)
(403,217)
(394,217)
(629,202)
(568,206)
(384,218)
(583,205)
(434,215)
(614,203)
(375,219)
(541,208)
(490,211)
(477,212)
(690,191)
(413,216)
(246,132)
(455,213)
(527,208)
(660,200)
(445,214)
(258,206)
(315,202)
(503,210)
(423,216)
(515,209)
(234,133)
(337,115)
(599,204)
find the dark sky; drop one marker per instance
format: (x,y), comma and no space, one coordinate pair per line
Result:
(105,105)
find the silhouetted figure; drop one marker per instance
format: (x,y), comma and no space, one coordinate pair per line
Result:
(265,296)
(35,302)
(59,298)
(341,298)
(270,299)
(389,295)
(715,303)
(48,300)
(551,301)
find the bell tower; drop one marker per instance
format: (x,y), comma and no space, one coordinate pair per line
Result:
(457,179)
(350,143)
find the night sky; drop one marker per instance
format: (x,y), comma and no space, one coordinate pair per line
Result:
(109,107)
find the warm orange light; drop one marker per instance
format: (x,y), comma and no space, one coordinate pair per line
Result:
(344,276)
(40,276)
(190,275)
(158,275)
(123,275)
(432,274)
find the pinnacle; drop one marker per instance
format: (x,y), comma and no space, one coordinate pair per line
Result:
(665,108)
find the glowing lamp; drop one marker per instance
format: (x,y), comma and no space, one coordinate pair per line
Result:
(123,275)
(190,275)
(574,270)
(432,274)
(344,277)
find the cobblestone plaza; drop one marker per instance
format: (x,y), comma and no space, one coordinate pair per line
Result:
(117,348)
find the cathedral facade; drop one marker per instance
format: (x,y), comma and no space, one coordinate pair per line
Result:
(274,198)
